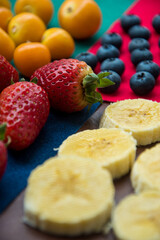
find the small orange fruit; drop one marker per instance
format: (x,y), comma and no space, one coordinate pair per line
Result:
(43,8)
(5,3)
(26,27)
(59,42)
(7,45)
(30,56)
(81,18)
(5,17)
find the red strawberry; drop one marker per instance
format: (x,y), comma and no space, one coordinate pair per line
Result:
(70,84)
(24,106)
(3,150)
(7,73)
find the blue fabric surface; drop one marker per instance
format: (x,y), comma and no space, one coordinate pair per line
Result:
(59,125)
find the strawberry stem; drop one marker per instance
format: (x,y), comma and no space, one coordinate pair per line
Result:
(93,81)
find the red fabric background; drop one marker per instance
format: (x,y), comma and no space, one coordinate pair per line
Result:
(146,10)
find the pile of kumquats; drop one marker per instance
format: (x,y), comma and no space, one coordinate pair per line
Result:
(26,39)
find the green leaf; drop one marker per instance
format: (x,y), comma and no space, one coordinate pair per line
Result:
(93,81)
(12,82)
(103,74)
(95,98)
(2,131)
(90,79)
(3,127)
(105,82)
(91,88)
(34,80)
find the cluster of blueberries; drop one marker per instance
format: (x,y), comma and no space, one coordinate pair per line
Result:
(143,81)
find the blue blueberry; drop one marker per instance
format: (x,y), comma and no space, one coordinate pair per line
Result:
(138,43)
(107,51)
(112,38)
(140,54)
(142,83)
(114,77)
(139,32)
(114,64)
(156,23)
(89,58)
(128,21)
(149,66)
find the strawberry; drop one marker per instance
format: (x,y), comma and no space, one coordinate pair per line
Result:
(70,84)
(3,150)
(24,106)
(7,73)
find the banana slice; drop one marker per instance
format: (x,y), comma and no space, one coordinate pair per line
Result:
(137,217)
(67,196)
(145,173)
(112,149)
(139,116)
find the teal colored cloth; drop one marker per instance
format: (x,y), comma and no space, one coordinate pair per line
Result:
(59,125)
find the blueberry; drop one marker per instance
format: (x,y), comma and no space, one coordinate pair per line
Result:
(138,43)
(114,64)
(107,51)
(127,21)
(140,54)
(139,32)
(156,23)
(142,82)
(112,38)
(89,58)
(149,66)
(114,77)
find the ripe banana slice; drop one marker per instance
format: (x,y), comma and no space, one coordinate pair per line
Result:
(68,196)
(145,173)
(137,217)
(139,116)
(112,149)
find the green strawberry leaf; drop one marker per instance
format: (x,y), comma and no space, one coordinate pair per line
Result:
(105,82)
(12,82)
(90,79)
(103,74)
(3,127)
(34,80)
(95,98)
(93,81)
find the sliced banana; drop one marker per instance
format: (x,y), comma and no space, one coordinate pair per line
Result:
(139,116)
(137,217)
(146,170)
(68,196)
(112,149)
